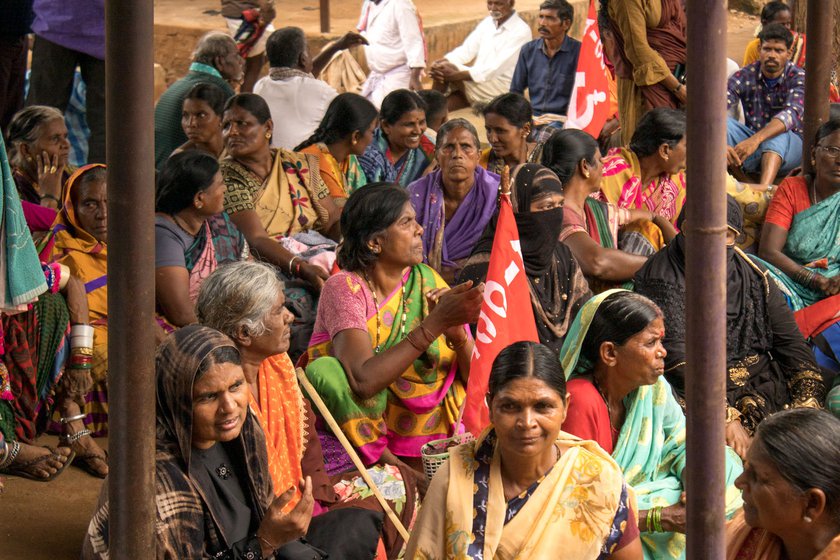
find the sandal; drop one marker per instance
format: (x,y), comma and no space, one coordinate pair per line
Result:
(20,469)
(83,458)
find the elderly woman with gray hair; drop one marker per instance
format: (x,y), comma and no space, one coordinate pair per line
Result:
(454,203)
(791,490)
(245,301)
(38,151)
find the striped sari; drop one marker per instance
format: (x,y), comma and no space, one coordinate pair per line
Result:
(87,260)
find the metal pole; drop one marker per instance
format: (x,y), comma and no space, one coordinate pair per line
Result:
(325,16)
(131,282)
(819,27)
(705,279)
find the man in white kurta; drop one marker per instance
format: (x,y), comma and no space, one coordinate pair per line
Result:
(396,52)
(482,67)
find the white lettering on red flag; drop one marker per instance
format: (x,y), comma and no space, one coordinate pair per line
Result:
(589,107)
(498,327)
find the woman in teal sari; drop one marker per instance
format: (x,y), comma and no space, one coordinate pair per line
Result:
(399,152)
(614,359)
(801,235)
(800,244)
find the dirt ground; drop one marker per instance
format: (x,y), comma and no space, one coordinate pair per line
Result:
(48,520)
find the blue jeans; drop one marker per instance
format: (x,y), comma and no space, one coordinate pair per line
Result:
(787,145)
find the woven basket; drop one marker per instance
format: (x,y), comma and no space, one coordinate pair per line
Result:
(433,459)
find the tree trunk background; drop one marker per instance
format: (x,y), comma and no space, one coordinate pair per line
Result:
(800,9)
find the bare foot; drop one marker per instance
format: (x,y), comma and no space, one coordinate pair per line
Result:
(90,457)
(39,462)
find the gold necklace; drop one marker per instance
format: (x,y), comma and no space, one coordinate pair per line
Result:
(378,347)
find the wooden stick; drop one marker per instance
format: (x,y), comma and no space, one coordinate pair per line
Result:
(348,447)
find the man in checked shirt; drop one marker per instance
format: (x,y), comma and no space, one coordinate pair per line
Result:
(772,92)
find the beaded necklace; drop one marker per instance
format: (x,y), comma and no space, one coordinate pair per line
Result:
(378,347)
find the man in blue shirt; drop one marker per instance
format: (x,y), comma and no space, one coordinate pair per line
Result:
(547,66)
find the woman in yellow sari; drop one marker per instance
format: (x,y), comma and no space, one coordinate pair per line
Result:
(274,195)
(79,241)
(389,354)
(525,489)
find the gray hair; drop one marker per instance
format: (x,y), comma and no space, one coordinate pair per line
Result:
(454,124)
(27,126)
(212,45)
(237,297)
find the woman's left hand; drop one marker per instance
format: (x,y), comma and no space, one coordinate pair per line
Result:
(673,517)
(313,274)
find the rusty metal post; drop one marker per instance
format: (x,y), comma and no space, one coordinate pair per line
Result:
(705,278)
(325,16)
(130,154)
(819,27)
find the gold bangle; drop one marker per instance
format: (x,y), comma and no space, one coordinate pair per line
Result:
(732,414)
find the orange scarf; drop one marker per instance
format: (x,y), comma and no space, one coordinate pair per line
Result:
(280,411)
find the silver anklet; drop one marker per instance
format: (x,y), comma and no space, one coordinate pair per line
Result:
(70,440)
(11,454)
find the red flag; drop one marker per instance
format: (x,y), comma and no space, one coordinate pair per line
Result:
(589,107)
(506,314)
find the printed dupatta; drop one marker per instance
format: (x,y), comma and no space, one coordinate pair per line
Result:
(571,510)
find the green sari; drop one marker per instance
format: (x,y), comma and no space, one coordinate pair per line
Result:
(421,406)
(651,445)
(814,234)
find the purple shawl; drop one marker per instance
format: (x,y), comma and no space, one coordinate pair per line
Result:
(443,244)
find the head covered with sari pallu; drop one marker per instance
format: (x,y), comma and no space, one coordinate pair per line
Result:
(71,245)
(650,448)
(188,503)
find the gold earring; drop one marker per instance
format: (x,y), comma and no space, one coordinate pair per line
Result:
(586,174)
(268,135)
(199,205)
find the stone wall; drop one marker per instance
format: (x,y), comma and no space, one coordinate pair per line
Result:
(174,44)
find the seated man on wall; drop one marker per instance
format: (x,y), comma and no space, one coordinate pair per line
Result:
(492,48)
(772,92)
(547,66)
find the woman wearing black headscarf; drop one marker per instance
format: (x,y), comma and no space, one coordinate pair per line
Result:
(558,287)
(213,491)
(769,365)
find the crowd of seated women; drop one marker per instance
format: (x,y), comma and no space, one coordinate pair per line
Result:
(358,261)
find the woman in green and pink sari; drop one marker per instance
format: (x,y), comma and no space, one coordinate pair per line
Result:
(389,355)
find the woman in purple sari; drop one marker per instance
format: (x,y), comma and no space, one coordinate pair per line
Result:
(455,203)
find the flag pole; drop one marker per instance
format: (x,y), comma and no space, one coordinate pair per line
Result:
(504,189)
(348,447)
